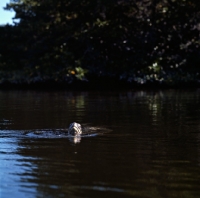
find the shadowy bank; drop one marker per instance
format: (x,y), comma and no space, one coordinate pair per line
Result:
(101,44)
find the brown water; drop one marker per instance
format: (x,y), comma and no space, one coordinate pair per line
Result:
(153,150)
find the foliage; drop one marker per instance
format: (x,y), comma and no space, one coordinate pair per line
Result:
(137,41)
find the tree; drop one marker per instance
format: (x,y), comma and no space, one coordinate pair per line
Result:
(152,40)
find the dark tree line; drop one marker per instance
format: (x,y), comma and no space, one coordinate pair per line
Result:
(131,40)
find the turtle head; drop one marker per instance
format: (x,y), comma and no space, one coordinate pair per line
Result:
(75,129)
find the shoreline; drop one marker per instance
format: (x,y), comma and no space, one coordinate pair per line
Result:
(98,85)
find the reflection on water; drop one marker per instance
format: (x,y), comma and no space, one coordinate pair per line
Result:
(153,149)
(88,131)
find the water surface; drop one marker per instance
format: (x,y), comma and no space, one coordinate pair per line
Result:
(152,150)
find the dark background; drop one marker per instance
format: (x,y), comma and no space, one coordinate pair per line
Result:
(71,43)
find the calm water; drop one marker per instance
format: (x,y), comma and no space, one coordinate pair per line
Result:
(153,150)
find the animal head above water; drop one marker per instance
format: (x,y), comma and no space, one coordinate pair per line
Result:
(75,129)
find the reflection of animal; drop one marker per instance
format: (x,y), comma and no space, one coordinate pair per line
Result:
(75,129)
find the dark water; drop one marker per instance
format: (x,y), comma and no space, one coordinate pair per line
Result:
(153,149)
